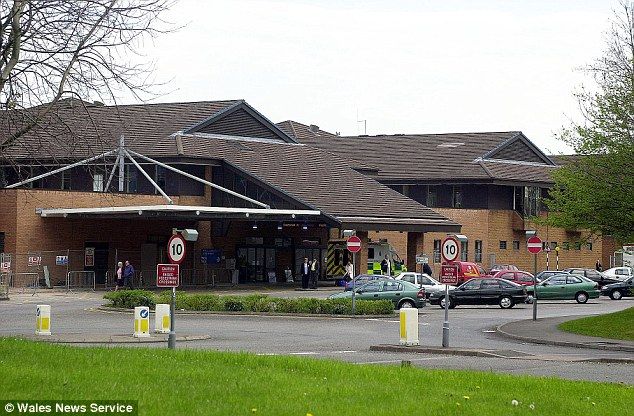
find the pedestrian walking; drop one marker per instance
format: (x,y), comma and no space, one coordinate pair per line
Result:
(305,272)
(314,271)
(128,275)
(119,280)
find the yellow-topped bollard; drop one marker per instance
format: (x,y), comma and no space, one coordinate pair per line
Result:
(43,320)
(141,322)
(409,326)
(162,318)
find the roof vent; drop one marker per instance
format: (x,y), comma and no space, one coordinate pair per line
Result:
(313,128)
(452,144)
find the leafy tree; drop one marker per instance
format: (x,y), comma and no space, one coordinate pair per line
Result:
(594,190)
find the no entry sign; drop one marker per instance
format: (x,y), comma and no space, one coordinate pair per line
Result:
(167,275)
(354,244)
(534,245)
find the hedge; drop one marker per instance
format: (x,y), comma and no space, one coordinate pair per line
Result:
(249,303)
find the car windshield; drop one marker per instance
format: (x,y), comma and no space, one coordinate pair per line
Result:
(559,279)
(471,284)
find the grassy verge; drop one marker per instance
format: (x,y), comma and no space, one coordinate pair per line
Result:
(196,382)
(617,325)
(249,303)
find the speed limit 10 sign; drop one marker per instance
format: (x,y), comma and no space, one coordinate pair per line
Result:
(176,249)
(450,249)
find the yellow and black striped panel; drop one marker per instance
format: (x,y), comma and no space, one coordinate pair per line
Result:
(334,268)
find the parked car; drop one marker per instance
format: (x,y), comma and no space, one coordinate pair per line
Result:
(591,274)
(545,274)
(423,280)
(565,286)
(499,267)
(402,294)
(619,273)
(517,276)
(468,270)
(487,291)
(362,279)
(617,290)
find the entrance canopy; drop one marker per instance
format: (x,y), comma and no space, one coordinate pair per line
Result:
(185,212)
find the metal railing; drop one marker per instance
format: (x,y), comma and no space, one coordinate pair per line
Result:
(80,279)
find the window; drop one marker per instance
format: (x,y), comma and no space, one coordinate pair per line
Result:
(392,286)
(409,278)
(553,245)
(65,185)
(3,178)
(490,284)
(1,242)
(502,245)
(425,281)
(589,246)
(437,251)
(432,196)
(566,245)
(464,250)
(456,200)
(478,251)
(370,253)
(97,182)
(573,279)
(507,276)
(371,287)
(516,245)
(131,179)
(577,245)
(557,280)
(160,178)
(472,284)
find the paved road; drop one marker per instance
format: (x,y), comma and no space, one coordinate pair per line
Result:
(347,339)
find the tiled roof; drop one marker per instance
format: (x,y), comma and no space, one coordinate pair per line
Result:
(428,157)
(293,169)
(73,130)
(302,131)
(519,172)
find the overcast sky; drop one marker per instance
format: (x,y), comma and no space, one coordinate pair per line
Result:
(434,66)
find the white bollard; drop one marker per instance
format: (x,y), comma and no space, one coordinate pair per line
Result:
(162,318)
(43,320)
(141,322)
(409,326)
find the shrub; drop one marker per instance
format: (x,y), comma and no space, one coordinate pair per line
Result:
(233,303)
(130,298)
(202,303)
(284,305)
(374,307)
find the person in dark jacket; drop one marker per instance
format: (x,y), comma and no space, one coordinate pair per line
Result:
(598,266)
(128,275)
(385,266)
(427,269)
(314,271)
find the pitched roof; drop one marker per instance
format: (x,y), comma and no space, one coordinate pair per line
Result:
(451,157)
(340,192)
(302,131)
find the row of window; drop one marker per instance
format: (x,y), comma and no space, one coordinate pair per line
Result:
(464,248)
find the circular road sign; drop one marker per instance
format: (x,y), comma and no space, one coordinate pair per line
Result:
(450,249)
(353,244)
(176,249)
(534,245)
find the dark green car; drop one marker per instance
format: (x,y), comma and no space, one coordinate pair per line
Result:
(565,286)
(402,294)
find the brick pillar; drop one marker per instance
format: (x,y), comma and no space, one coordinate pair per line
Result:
(414,246)
(361,264)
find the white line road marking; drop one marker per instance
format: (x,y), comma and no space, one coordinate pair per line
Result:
(398,361)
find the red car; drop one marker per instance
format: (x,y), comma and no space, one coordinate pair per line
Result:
(517,276)
(501,267)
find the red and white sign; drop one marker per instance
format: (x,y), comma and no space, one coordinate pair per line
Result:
(354,244)
(5,266)
(167,275)
(176,249)
(449,274)
(34,260)
(534,245)
(450,249)
(89,257)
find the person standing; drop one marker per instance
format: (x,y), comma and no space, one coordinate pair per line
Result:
(427,269)
(305,272)
(314,270)
(128,275)
(385,266)
(349,272)
(119,281)
(598,266)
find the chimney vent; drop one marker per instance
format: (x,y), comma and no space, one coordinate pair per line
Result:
(313,128)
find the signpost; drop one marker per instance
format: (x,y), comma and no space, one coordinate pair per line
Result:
(534,245)
(354,246)
(449,273)
(170,278)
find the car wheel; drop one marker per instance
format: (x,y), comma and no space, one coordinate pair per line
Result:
(406,304)
(506,302)
(581,297)
(530,298)
(451,303)
(616,295)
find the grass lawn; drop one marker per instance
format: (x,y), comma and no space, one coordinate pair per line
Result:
(617,325)
(194,382)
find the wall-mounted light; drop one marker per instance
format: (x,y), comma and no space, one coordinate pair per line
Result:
(280,226)
(304,227)
(255,225)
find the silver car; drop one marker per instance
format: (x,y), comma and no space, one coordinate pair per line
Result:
(423,280)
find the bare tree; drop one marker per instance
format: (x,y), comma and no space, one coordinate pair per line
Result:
(54,49)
